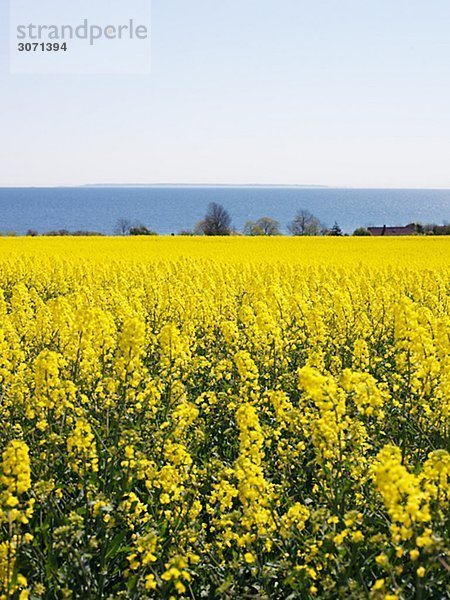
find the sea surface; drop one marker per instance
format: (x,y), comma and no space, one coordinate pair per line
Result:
(169,209)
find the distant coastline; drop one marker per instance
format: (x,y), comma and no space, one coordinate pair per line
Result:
(220,186)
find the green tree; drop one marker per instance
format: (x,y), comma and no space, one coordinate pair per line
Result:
(361,231)
(141,230)
(262,226)
(335,230)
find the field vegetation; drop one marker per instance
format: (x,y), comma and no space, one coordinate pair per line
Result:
(224,418)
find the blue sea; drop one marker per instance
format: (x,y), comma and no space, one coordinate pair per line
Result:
(167,209)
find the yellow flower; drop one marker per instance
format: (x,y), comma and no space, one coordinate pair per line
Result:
(378,585)
(382,559)
(16,474)
(82,449)
(150,582)
(357,536)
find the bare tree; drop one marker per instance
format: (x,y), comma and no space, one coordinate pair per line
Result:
(122,227)
(262,226)
(217,221)
(305,223)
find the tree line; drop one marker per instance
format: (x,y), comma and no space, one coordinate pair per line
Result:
(217,222)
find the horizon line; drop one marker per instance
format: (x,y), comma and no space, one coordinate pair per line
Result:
(221,185)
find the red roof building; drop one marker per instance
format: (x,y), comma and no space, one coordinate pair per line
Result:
(408,230)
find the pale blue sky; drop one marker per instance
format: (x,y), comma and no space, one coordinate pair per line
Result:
(333,92)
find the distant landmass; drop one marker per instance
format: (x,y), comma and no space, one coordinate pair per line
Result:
(203,185)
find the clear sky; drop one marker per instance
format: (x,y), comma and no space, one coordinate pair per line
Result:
(332,92)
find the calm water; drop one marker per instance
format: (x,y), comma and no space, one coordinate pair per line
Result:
(170,209)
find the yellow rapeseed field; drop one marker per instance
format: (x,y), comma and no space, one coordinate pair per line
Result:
(224,418)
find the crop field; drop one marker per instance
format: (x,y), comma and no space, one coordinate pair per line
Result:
(224,418)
